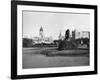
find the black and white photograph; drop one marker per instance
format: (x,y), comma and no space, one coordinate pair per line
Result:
(53,39)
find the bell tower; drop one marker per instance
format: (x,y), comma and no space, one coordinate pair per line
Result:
(41,34)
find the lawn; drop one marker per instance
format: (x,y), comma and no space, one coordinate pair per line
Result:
(51,57)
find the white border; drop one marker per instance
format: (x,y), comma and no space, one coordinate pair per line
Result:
(21,71)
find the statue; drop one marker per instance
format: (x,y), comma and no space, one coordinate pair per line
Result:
(67,33)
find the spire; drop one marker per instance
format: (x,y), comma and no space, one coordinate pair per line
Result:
(41,29)
(41,33)
(60,36)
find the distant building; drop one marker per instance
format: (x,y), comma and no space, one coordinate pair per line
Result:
(82,34)
(60,37)
(85,34)
(73,35)
(42,38)
(41,33)
(77,34)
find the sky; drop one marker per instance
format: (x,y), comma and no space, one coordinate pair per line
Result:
(53,23)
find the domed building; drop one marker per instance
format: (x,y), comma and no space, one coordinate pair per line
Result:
(42,38)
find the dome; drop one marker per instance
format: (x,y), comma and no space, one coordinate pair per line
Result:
(41,29)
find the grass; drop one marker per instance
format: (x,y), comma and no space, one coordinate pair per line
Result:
(51,57)
(54,52)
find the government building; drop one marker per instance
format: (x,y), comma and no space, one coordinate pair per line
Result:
(42,38)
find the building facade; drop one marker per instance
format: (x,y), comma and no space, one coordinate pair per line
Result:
(82,34)
(42,38)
